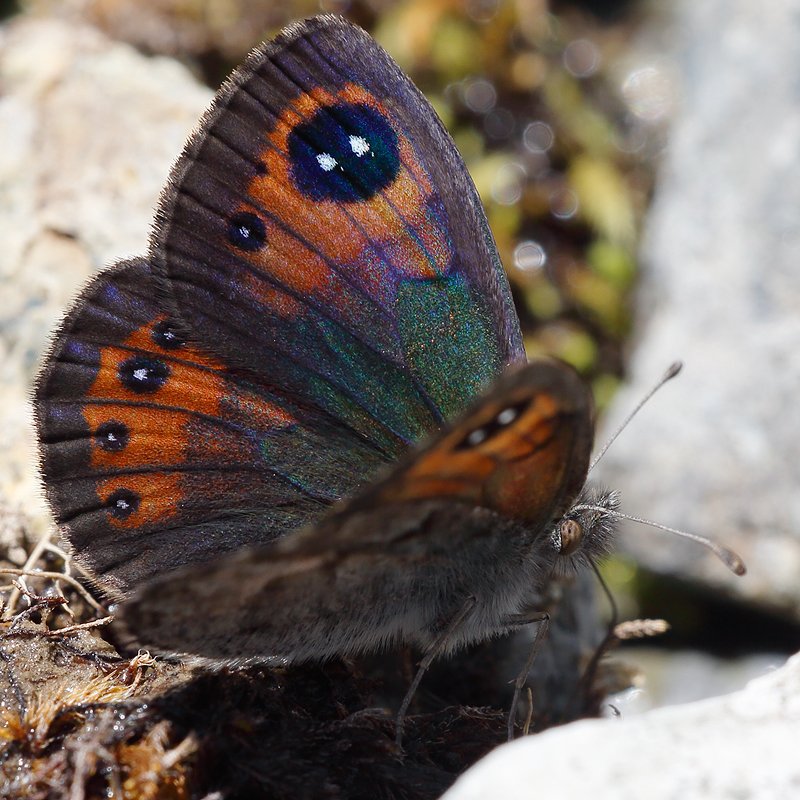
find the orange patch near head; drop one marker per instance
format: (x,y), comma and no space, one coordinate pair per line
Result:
(517,471)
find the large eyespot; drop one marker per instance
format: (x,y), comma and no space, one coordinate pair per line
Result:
(165,335)
(143,374)
(122,503)
(246,231)
(501,420)
(112,436)
(346,152)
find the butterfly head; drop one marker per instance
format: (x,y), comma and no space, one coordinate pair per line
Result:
(588,531)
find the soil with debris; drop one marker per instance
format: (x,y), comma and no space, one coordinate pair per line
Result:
(78,720)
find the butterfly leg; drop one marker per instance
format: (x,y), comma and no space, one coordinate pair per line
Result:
(433,651)
(541,634)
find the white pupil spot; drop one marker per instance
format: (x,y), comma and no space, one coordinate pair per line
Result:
(476,437)
(507,416)
(359,145)
(111,437)
(140,374)
(327,162)
(122,503)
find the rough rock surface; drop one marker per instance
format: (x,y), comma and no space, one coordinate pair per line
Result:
(740,745)
(89,131)
(718,450)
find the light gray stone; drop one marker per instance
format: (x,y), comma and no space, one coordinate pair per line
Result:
(89,129)
(718,450)
(672,677)
(742,745)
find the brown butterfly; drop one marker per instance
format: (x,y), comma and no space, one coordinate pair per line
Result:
(322,293)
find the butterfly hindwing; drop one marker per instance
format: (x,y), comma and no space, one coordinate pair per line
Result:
(321,229)
(157,456)
(468,515)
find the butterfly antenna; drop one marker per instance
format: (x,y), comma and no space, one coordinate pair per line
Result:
(668,375)
(724,554)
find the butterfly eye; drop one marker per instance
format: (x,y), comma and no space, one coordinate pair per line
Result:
(570,535)
(502,420)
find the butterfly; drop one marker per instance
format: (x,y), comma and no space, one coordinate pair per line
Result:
(304,425)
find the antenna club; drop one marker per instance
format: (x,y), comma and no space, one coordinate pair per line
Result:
(673,370)
(737,566)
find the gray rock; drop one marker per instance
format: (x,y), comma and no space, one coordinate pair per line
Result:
(740,745)
(718,450)
(89,129)
(672,677)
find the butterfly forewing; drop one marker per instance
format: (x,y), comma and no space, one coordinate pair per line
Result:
(322,227)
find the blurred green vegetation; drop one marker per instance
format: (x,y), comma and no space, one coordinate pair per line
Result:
(529,99)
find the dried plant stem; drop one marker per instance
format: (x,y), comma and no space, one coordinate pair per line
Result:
(95,623)
(56,576)
(27,568)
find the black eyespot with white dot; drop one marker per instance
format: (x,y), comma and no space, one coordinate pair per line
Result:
(165,335)
(143,374)
(246,231)
(122,503)
(346,152)
(112,436)
(501,420)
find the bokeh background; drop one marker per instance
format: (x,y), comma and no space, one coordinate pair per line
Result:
(562,112)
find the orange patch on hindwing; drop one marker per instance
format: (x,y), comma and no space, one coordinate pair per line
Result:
(136,500)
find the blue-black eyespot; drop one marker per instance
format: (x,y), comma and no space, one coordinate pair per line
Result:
(143,374)
(121,503)
(246,231)
(346,152)
(112,436)
(164,334)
